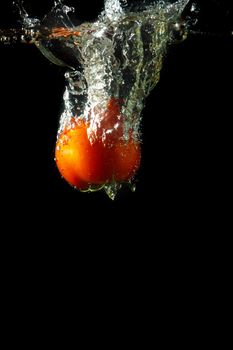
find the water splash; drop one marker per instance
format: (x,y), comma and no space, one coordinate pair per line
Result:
(118,57)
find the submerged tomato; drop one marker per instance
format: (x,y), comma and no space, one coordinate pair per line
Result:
(84,163)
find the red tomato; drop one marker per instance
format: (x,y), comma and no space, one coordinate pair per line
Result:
(83,163)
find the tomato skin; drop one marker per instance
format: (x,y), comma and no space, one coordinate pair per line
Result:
(83,163)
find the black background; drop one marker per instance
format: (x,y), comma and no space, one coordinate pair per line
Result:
(170,240)
(183,181)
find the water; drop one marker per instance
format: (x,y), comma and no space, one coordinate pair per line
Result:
(118,56)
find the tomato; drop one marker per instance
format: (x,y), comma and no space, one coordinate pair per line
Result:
(85,158)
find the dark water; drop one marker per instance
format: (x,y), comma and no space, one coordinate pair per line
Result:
(172,234)
(186,131)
